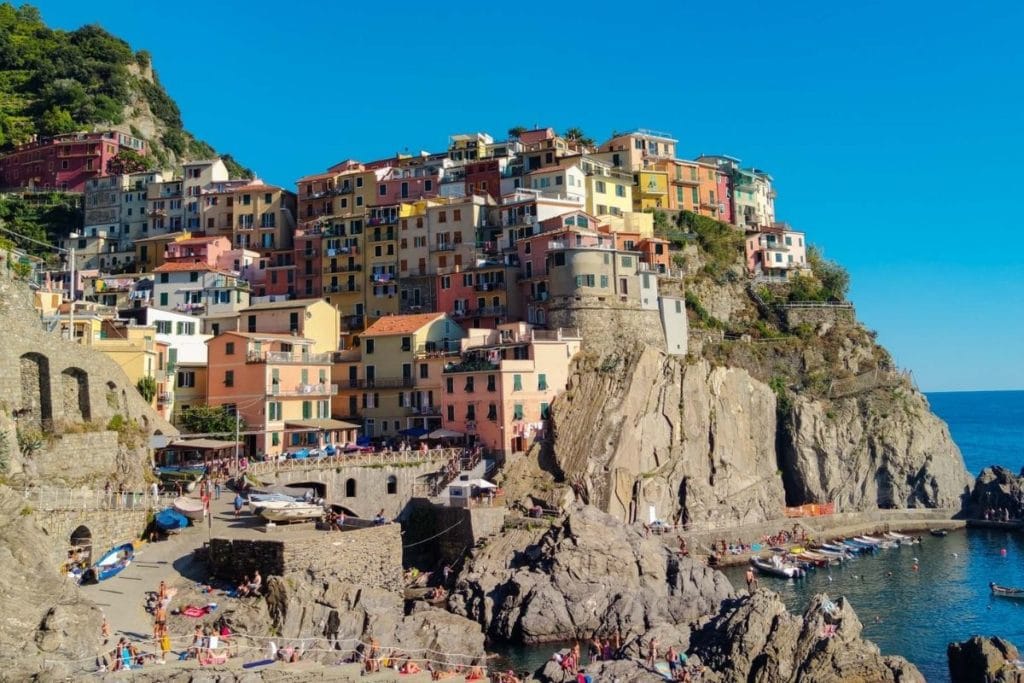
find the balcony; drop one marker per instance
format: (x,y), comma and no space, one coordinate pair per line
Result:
(695,182)
(342,289)
(303,390)
(352,323)
(475,364)
(164,397)
(423,410)
(489,286)
(559,245)
(443,246)
(282,357)
(488,312)
(377,236)
(190,308)
(343,267)
(381,383)
(438,349)
(309,253)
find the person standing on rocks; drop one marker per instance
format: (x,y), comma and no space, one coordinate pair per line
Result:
(751,580)
(652,652)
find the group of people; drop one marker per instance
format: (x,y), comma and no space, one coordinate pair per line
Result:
(996,514)
(250,588)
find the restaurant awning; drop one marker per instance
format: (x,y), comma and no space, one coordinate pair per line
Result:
(327,424)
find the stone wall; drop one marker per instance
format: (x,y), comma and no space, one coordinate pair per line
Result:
(370,557)
(77,458)
(815,316)
(439,533)
(370,484)
(106,528)
(603,324)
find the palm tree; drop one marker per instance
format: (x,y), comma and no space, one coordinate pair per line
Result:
(516,131)
(578,136)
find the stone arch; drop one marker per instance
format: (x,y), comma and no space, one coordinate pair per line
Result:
(74,383)
(81,540)
(36,404)
(391,486)
(350,488)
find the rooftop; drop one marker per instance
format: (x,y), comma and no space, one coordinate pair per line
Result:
(276,305)
(401,324)
(269,336)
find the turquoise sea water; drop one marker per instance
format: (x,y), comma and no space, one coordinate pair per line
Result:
(917,613)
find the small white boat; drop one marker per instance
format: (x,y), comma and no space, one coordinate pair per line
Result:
(776,567)
(190,507)
(281,511)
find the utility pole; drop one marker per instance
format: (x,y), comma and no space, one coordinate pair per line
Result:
(237,426)
(71,292)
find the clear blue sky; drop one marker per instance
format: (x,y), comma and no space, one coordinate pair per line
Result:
(891,128)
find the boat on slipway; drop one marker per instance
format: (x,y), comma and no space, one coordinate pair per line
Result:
(111,564)
(282,511)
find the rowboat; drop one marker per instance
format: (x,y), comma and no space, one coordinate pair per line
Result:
(291,512)
(938,532)
(192,508)
(111,564)
(784,571)
(1006,591)
(260,501)
(170,519)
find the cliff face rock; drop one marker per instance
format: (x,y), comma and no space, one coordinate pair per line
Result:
(997,487)
(983,660)
(882,449)
(46,621)
(589,574)
(645,429)
(754,638)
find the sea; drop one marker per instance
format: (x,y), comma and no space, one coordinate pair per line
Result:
(917,613)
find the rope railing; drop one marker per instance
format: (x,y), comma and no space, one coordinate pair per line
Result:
(363,459)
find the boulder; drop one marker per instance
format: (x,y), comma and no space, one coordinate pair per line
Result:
(754,638)
(997,488)
(588,574)
(983,660)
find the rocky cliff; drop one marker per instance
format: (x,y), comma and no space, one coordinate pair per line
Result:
(588,574)
(774,405)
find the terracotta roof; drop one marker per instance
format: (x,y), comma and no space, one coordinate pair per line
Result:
(318,176)
(563,163)
(400,324)
(178,267)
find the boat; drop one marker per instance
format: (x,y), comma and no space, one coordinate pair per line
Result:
(190,507)
(259,501)
(1006,591)
(938,532)
(170,519)
(111,564)
(777,568)
(291,512)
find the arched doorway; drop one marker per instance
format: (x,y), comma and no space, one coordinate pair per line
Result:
(36,406)
(74,384)
(391,487)
(350,488)
(81,546)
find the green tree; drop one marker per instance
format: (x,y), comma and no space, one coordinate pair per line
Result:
(126,161)
(577,135)
(516,131)
(208,420)
(147,387)
(56,121)
(834,279)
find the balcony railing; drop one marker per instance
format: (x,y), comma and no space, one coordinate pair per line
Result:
(438,348)
(443,246)
(388,236)
(303,390)
(558,245)
(164,398)
(381,383)
(344,267)
(286,357)
(335,289)
(488,286)
(352,322)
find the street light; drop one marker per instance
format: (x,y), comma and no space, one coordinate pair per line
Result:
(71,286)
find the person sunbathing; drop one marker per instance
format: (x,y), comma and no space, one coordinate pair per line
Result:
(409,667)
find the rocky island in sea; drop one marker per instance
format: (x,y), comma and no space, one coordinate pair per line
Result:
(529,391)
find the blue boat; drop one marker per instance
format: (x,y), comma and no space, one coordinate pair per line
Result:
(299,455)
(111,564)
(170,519)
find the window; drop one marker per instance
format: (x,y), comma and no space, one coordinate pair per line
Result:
(471,412)
(407,343)
(273,411)
(307,410)
(517,382)
(492,412)
(604,282)
(599,186)
(275,438)
(246,200)
(542,382)
(424,371)
(350,488)
(229,378)
(442,217)
(620,190)
(391,486)
(186,378)
(457,214)
(451,413)
(368,346)
(627,261)
(229,349)
(469,385)
(382,190)
(490,382)
(543,411)
(517,411)
(293,322)
(449,385)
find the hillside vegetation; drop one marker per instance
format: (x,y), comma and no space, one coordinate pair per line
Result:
(54,81)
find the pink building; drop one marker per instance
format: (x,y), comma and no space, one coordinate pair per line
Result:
(64,162)
(208,250)
(500,390)
(724,192)
(396,185)
(478,296)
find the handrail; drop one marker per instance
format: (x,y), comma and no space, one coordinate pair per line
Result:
(360,460)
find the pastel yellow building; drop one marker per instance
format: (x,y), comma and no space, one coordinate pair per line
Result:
(650,190)
(313,319)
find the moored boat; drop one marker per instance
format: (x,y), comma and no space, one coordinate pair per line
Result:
(111,564)
(291,512)
(1006,591)
(190,507)
(170,519)
(777,568)
(938,532)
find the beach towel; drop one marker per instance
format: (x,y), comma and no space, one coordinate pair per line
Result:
(212,660)
(195,612)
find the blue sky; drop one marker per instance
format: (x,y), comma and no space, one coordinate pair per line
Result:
(889,127)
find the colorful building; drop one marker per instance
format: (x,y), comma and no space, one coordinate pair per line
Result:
(313,319)
(273,381)
(499,390)
(635,151)
(776,252)
(65,162)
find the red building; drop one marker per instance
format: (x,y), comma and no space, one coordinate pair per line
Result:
(477,297)
(308,263)
(64,162)
(484,177)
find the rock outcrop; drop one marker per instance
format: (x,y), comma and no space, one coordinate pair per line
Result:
(998,488)
(646,429)
(588,574)
(882,449)
(754,638)
(983,660)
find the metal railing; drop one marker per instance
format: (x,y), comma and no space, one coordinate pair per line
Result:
(51,499)
(381,383)
(356,459)
(304,390)
(285,357)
